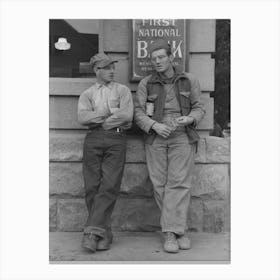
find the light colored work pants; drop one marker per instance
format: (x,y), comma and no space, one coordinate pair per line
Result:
(170,164)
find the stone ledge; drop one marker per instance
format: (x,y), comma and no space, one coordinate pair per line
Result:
(216,216)
(136,215)
(52,214)
(195,215)
(136,180)
(68,147)
(132,215)
(210,181)
(66,179)
(217,149)
(71,214)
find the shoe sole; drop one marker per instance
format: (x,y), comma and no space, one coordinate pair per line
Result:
(172,252)
(185,248)
(88,247)
(103,249)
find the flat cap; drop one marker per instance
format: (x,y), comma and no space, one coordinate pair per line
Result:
(101,60)
(159,44)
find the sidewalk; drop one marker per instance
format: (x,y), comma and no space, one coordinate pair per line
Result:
(140,247)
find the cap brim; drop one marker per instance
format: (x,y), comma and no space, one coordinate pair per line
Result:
(103,64)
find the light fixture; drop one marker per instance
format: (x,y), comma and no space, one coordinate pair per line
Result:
(62,44)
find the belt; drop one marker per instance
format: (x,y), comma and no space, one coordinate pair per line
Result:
(115,129)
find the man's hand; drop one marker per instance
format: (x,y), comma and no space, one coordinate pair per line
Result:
(185,120)
(162,129)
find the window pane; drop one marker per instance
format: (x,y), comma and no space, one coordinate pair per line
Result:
(72,43)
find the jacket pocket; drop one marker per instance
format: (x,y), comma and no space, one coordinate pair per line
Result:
(114,103)
(185,93)
(192,134)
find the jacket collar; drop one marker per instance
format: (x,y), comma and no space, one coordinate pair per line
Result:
(156,78)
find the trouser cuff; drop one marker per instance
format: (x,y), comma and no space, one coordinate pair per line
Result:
(101,232)
(176,231)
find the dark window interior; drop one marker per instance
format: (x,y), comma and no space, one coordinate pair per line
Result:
(72,62)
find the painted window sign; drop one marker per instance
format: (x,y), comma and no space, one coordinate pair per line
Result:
(145,31)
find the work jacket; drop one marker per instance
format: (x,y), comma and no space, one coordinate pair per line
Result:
(151,89)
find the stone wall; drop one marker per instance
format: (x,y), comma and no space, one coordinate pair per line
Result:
(136,209)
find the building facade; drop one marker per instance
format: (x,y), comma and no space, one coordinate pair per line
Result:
(135,209)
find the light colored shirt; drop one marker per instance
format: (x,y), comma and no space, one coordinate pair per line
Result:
(171,108)
(110,105)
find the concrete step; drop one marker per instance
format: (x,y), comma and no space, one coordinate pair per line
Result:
(144,247)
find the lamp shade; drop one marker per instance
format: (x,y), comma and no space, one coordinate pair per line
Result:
(62,44)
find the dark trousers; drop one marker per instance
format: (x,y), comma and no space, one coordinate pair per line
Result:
(103,165)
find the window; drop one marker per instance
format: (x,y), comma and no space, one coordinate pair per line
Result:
(82,38)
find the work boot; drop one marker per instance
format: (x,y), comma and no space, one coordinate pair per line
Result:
(105,243)
(90,241)
(170,243)
(184,241)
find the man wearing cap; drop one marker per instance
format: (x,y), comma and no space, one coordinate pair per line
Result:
(168,108)
(107,109)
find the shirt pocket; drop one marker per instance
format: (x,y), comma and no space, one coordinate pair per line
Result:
(185,93)
(114,103)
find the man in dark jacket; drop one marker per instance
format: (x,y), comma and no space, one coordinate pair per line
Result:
(168,108)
